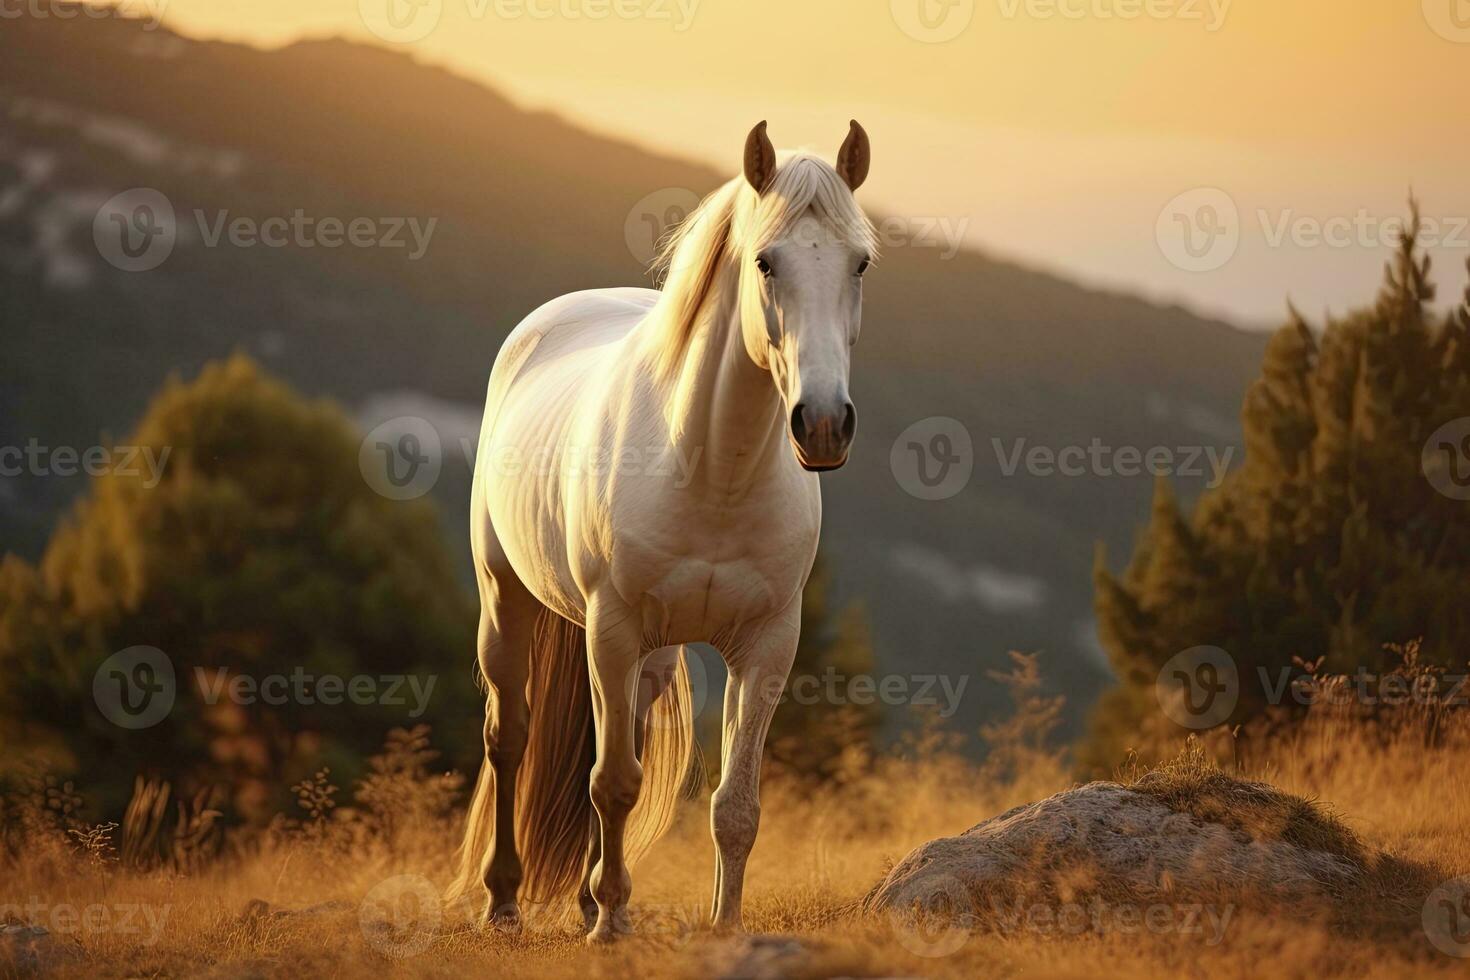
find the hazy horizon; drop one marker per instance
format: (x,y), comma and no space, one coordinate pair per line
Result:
(1045,137)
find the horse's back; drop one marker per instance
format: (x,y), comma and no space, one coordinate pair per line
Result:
(558,341)
(548,361)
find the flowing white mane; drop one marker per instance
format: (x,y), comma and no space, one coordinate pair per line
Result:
(733,224)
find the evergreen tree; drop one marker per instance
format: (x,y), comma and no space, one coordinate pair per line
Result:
(826,726)
(1331,540)
(260,551)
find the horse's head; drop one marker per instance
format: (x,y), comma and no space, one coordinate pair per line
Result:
(804,255)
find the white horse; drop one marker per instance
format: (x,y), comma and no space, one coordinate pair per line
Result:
(646,478)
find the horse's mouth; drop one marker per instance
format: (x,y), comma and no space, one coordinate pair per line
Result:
(817,466)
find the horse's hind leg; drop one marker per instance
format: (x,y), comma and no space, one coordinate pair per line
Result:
(508,614)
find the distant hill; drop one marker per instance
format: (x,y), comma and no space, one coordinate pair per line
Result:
(528,207)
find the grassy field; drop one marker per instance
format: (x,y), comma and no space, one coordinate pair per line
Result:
(352,890)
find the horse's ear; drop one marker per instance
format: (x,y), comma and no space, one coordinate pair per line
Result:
(854,157)
(760,158)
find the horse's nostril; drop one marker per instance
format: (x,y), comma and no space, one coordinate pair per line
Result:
(798,423)
(849,422)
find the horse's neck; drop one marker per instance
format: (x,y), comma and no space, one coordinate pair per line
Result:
(725,409)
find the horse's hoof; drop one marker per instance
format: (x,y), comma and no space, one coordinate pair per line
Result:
(603,936)
(609,929)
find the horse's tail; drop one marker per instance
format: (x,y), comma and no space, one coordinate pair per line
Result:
(553,805)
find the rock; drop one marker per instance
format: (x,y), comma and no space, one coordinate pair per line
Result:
(258,909)
(27,950)
(1182,843)
(757,958)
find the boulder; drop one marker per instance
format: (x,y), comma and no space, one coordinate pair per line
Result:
(27,950)
(1179,848)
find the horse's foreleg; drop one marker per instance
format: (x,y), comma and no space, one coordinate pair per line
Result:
(758,673)
(614,636)
(655,676)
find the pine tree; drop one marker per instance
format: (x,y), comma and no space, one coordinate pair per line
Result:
(826,726)
(1331,540)
(260,550)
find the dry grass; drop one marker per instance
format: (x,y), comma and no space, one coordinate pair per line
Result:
(324,896)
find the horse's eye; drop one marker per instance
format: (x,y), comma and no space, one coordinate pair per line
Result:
(862,267)
(764,266)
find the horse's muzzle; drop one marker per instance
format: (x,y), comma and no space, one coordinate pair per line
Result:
(821,437)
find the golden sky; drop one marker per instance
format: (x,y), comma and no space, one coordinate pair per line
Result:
(1057,132)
